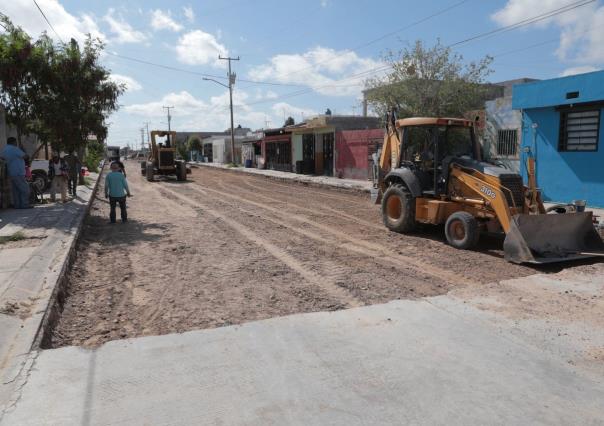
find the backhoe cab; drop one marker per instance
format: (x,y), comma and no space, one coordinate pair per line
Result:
(430,171)
(162,158)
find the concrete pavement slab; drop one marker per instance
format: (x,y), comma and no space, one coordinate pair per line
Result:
(406,362)
(30,280)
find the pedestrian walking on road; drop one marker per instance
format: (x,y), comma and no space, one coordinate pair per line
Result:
(14,158)
(57,172)
(116,189)
(74,167)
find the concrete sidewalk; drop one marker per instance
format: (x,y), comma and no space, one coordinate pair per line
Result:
(29,271)
(349,184)
(429,362)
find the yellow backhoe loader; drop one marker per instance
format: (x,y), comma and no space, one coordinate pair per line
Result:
(162,158)
(430,171)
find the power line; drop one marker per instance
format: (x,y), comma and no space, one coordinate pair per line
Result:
(380,38)
(525,22)
(542,43)
(48,22)
(507,28)
(167,67)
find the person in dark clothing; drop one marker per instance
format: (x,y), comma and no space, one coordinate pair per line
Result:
(74,167)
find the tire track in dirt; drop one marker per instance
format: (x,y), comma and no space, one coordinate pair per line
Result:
(483,265)
(383,260)
(266,182)
(323,207)
(354,244)
(333,289)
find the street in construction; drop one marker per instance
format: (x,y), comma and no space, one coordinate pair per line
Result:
(237,299)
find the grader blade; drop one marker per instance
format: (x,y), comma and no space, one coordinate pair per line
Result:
(549,238)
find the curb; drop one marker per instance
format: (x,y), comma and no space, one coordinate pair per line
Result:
(55,302)
(294,180)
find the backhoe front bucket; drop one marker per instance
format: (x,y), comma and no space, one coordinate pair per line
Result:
(548,238)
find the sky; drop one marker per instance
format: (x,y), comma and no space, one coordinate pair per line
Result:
(298,58)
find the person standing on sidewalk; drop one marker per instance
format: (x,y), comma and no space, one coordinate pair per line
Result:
(14,158)
(57,172)
(116,189)
(73,172)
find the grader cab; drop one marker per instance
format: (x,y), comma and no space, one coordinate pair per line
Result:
(431,171)
(162,158)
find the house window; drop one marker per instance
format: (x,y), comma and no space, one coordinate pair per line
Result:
(579,130)
(507,142)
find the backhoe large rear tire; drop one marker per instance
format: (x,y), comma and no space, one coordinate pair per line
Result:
(398,209)
(462,231)
(150,172)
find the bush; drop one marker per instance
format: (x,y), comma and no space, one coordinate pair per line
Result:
(95,154)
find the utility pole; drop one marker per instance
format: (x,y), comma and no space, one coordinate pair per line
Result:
(232,76)
(146,123)
(142,138)
(169,116)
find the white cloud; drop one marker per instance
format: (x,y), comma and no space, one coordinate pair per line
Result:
(161,20)
(578,70)
(189,13)
(184,104)
(24,14)
(131,84)
(193,114)
(123,31)
(581,35)
(324,3)
(327,71)
(199,48)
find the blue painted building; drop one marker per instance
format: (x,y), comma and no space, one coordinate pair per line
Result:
(561,127)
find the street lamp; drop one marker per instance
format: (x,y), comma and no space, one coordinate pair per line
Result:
(230,87)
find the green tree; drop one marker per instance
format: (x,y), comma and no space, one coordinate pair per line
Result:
(289,122)
(95,153)
(74,94)
(429,82)
(194,143)
(182,149)
(19,61)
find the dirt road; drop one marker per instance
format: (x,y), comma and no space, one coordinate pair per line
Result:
(225,248)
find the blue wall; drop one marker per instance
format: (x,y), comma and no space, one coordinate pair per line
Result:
(562,176)
(553,92)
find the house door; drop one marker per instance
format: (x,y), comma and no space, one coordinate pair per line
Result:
(328,154)
(308,153)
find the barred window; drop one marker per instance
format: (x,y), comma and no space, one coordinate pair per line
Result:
(579,130)
(507,142)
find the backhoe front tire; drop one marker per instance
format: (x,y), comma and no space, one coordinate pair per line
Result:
(462,231)
(181,171)
(398,209)
(143,168)
(150,172)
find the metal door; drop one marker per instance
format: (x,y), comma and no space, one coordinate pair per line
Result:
(328,140)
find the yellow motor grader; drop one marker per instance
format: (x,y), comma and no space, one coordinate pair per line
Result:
(162,158)
(430,171)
